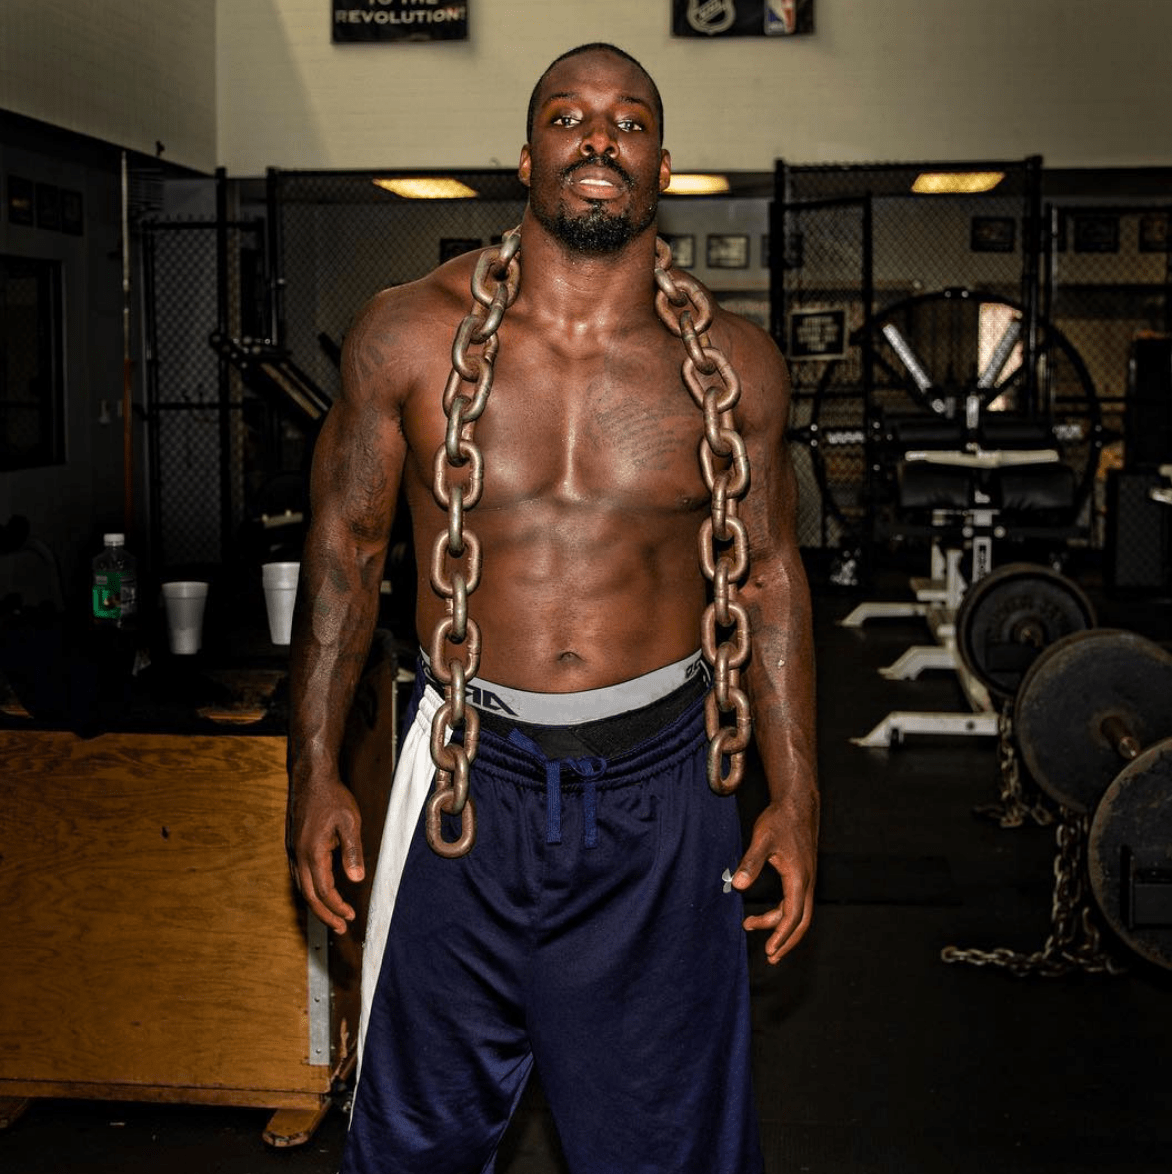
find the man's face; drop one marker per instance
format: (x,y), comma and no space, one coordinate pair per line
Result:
(594,167)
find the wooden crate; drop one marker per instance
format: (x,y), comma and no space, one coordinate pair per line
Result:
(156,950)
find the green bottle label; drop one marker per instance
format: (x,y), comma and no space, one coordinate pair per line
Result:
(108,595)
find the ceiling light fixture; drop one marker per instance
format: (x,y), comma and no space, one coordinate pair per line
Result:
(690,184)
(427,187)
(947,183)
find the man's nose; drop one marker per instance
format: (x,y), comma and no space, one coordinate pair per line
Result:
(598,138)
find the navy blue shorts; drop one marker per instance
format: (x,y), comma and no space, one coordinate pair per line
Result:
(589,933)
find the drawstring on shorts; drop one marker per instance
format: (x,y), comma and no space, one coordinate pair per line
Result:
(588,769)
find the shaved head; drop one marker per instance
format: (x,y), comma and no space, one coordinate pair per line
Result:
(592,47)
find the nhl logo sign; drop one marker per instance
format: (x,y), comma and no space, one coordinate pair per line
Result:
(710,17)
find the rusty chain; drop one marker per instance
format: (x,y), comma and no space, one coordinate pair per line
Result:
(1074,942)
(686,310)
(495,283)
(1014,807)
(724,542)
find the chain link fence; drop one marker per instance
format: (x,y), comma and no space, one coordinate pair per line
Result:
(1032,299)
(203,450)
(1107,285)
(863,258)
(343,237)
(859,242)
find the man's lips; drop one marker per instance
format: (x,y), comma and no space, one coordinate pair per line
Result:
(597,179)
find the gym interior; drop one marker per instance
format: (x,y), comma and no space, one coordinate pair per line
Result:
(954,221)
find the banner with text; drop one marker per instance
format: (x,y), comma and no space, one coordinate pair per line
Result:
(398,20)
(741,18)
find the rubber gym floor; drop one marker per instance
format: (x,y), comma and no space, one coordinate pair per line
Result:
(873,1056)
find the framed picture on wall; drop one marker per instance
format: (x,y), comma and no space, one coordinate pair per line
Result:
(745,18)
(993,234)
(817,333)
(1153,232)
(72,212)
(683,249)
(728,250)
(365,22)
(21,196)
(1097,233)
(48,206)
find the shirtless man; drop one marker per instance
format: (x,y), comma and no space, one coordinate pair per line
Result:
(588,930)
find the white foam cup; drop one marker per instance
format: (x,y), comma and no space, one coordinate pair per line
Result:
(184,601)
(280,583)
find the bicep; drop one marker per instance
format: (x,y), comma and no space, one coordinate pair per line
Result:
(358,459)
(770,506)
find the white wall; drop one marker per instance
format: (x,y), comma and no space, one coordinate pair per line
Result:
(129,72)
(1080,82)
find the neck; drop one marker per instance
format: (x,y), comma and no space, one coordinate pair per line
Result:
(573,286)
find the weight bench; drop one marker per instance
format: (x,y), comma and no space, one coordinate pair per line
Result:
(955,490)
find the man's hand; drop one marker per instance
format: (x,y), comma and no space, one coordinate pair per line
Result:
(321,821)
(787,840)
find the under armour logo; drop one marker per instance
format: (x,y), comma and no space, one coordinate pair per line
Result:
(726,876)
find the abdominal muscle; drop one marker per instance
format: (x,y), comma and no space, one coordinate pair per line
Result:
(561,612)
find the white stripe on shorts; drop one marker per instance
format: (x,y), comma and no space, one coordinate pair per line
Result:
(413,775)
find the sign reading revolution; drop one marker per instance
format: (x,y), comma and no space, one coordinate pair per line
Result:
(741,18)
(398,20)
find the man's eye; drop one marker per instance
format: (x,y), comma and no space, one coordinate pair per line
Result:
(565,120)
(629,124)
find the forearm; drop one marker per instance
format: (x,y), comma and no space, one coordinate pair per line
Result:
(780,679)
(332,629)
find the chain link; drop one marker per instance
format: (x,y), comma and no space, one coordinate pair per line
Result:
(724,541)
(456,561)
(1014,808)
(1074,942)
(686,310)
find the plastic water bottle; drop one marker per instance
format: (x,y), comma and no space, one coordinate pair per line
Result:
(115,581)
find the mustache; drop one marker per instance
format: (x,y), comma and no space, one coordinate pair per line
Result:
(599,161)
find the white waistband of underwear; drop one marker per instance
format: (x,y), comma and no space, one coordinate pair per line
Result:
(569,709)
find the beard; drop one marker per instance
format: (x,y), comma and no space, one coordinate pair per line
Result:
(596,231)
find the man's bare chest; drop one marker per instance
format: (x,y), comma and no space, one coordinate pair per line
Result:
(617,427)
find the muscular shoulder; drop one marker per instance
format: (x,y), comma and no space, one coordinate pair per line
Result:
(765,386)
(398,337)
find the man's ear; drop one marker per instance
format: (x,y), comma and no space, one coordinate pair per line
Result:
(664,169)
(525,166)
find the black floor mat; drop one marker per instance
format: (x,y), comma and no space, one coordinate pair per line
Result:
(847,878)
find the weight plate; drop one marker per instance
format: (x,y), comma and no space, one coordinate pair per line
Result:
(1076,685)
(1129,854)
(1008,617)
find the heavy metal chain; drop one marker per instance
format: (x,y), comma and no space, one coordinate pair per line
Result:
(686,310)
(724,543)
(1074,942)
(455,643)
(1014,807)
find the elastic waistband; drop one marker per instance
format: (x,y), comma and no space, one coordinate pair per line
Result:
(625,749)
(633,743)
(571,709)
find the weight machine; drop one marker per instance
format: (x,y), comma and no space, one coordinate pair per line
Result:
(956,442)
